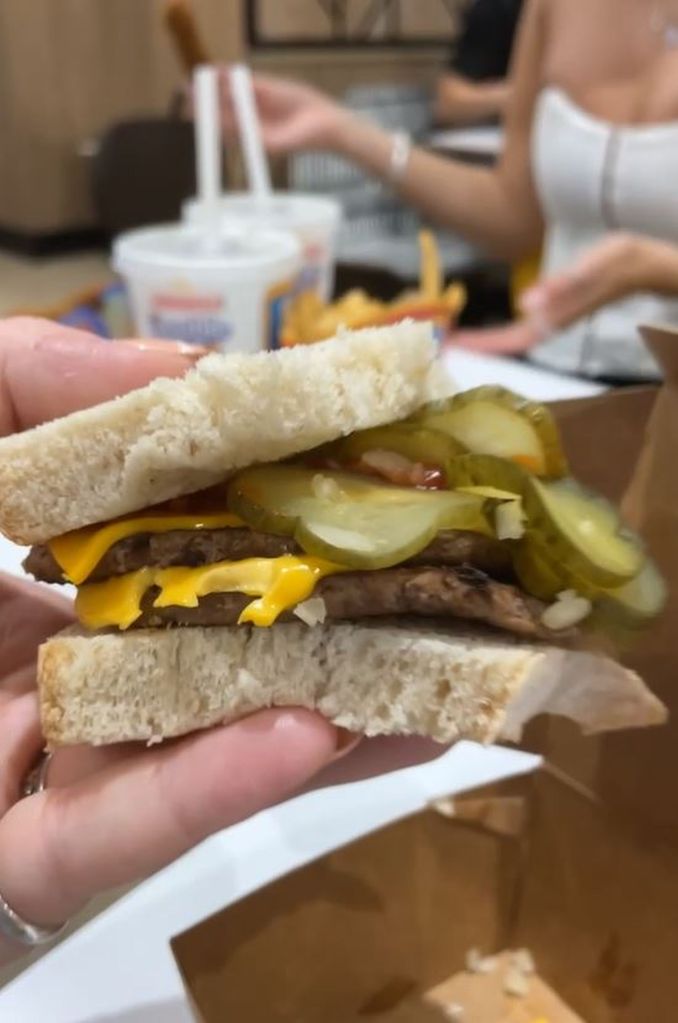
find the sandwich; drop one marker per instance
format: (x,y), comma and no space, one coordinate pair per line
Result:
(324,527)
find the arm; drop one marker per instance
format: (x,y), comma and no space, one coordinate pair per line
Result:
(497,209)
(462,101)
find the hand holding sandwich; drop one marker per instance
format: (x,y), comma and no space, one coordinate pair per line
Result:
(110,816)
(322,527)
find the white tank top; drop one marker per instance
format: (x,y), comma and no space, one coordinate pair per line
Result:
(592,178)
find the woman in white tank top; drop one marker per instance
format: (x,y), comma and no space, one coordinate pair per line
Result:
(594,178)
(590,169)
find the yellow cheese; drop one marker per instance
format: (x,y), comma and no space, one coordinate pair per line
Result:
(278,583)
(78,553)
(114,602)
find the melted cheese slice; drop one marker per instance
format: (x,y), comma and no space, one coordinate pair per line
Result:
(278,584)
(78,553)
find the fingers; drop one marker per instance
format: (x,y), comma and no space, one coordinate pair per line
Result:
(20,746)
(60,847)
(602,274)
(29,613)
(377,756)
(510,340)
(47,370)
(561,300)
(73,764)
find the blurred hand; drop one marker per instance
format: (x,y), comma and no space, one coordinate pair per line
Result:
(293,115)
(512,339)
(619,265)
(112,815)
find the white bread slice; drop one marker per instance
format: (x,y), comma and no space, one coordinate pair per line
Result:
(174,437)
(376,679)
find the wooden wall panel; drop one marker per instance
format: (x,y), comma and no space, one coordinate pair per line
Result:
(68,68)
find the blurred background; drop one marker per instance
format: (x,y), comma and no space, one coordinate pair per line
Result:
(97,135)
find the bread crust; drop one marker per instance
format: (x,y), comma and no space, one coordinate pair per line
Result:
(396,678)
(175,437)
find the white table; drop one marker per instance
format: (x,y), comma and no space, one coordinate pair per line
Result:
(119,966)
(470,369)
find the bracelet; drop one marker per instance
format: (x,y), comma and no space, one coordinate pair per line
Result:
(401,147)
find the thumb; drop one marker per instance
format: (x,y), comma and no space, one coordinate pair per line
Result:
(47,370)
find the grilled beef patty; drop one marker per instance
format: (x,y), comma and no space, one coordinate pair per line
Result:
(435,591)
(458,575)
(205,546)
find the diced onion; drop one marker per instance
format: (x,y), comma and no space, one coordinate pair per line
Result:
(325,488)
(568,609)
(312,611)
(516,983)
(386,461)
(509,520)
(478,963)
(523,961)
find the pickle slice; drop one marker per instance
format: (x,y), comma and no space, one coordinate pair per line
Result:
(638,601)
(416,443)
(582,533)
(356,522)
(487,472)
(542,576)
(494,421)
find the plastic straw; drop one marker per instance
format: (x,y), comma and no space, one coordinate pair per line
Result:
(250,133)
(208,148)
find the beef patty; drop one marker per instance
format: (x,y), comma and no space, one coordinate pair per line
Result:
(193,548)
(436,591)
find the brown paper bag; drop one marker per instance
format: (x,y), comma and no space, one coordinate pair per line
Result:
(578,863)
(352,935)
(625,444)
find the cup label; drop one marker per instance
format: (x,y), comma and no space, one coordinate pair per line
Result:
(275,304)
(313,269)
(194,317)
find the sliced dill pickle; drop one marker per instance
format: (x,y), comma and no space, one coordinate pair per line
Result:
(353,521)
(416,443)
(494,421)
(542,576)
(630,606)
(582,532)
(492,493)
(487,472)
(638,601)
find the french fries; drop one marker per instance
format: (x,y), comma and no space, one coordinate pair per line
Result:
(308,318)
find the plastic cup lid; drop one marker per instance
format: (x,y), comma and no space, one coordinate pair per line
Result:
(171,246)
(296,209)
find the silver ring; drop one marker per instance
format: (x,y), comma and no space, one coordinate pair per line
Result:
(36,779)
(21,931)
(12,925)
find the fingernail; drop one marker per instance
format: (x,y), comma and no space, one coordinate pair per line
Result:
(346,742)
(189,351)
